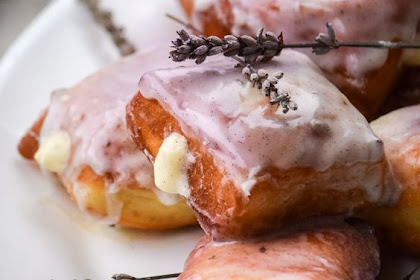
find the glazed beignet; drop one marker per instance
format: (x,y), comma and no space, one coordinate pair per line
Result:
(365,76)
(245,166)
(83,138)
(316,250)
(400,225)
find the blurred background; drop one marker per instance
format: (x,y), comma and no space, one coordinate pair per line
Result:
(15,15)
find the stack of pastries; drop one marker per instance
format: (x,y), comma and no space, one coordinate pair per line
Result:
(272,190)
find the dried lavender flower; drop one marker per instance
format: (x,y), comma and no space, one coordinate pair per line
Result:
(265,45)
(261,79)
(187,46)
(129,277)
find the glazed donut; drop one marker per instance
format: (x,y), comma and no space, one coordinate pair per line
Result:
(365,76)
(82,138)
(315,250)
(243,165)
(400,225)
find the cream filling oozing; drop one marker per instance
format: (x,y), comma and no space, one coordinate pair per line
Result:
(54,151)
(171,165)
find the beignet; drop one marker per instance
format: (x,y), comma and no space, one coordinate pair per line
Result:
(365,76)
(315,250)
(83,138)
(400,225)
(242,164)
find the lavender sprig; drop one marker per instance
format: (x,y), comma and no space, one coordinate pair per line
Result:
(129,277)
(267,83)
(265,45)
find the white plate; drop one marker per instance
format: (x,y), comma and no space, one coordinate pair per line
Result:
(42,234)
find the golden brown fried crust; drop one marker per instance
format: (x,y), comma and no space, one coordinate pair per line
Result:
(399,226)
(378,83)
(140,207)
(320,250)
(279,196)
(28,145)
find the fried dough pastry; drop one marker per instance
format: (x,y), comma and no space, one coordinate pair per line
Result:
(400,225)
(244,166)
(315,250)
(365,76)
(83,139)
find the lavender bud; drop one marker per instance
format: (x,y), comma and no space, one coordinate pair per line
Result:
(271,79)
(177,57)
(233,45)
(262,73)
(278,75)
(201,50)
(331,31)
(183,35)
(184,49)
(215,50)
(177,43)
(197,41)
(266,84)
(246,71)
(248,40)
(229,38)
(324,39)
(215,40)
(271,36)
(200,59)
(283,95)
(254,77)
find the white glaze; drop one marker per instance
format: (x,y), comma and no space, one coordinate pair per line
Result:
(400,131)
(208,101)
(321,251)
(302,20)
(93,115)
(399,125)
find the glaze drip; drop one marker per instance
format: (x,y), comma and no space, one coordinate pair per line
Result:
(92,113)
(213,102)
